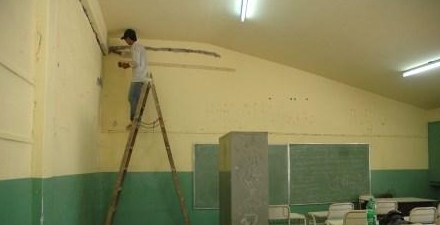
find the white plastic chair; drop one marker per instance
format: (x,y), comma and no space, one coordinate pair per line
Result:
(384,206)
(425,215)
(299,217)
(337,211)
(282,212)
(437,221)
(279,212)
(364,199)
(438,214)
(355,217)
(317,217)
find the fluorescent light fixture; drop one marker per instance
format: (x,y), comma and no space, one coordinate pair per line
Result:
(244,7)
(422,68)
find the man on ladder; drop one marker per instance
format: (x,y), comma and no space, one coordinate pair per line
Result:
(137,97)
(139,67)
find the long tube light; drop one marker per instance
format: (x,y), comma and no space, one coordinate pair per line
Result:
(422,68)
(244,5)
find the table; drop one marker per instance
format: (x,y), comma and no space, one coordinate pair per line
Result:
(404,204)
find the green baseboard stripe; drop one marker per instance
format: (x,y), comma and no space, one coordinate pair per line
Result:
(17,197)
(73,200)
(147,198)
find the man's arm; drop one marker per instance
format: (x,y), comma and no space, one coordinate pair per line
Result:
(135,58)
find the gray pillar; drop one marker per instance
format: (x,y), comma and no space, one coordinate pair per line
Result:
(243,179)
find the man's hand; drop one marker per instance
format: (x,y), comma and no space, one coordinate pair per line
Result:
(124,65)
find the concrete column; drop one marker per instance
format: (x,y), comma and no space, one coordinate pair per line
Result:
(243,178)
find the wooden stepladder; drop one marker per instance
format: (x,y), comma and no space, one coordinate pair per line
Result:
(149,86)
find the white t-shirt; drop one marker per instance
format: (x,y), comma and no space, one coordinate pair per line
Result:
(138,63)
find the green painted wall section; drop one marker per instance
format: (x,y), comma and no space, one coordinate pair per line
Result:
(20,201)
(147,198)
(401,183)
(73,200)
(150,198)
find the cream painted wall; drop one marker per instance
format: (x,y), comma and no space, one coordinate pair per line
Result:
(16,87)
(67,95)
(49,97)
(203,97)
(433,115)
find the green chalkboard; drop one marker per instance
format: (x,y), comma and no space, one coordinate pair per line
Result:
(434,152)
(323,173)
(205,176)
(278,175)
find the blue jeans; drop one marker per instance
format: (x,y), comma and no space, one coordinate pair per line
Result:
(133,97)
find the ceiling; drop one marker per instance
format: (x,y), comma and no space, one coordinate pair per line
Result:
(362,43)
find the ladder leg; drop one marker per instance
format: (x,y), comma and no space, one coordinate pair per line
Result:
(176,181)
(127,153)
